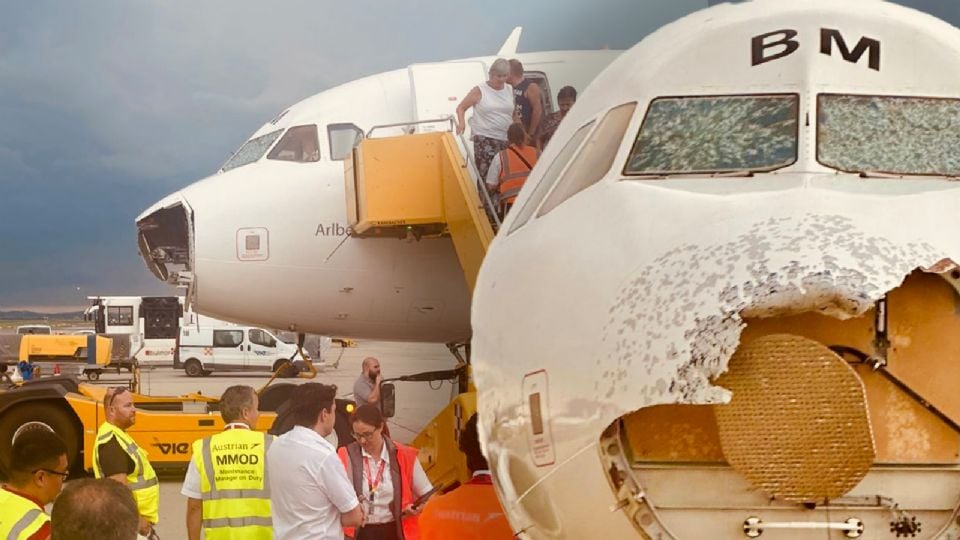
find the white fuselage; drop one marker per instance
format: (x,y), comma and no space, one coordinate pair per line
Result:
(307,274)
(628,282)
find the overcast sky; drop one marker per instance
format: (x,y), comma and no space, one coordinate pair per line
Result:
(108,105)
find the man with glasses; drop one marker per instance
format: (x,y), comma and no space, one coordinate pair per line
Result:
(387,477)
(118,457)
(37,466)
(309,491)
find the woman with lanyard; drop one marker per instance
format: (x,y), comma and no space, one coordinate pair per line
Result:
(387,477)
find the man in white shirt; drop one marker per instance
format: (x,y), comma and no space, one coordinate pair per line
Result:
(309,490)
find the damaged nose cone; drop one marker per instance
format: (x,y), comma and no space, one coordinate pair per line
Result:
(165,240)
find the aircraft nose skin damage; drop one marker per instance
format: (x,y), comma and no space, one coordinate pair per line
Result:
(637,349)
(780,266)
(165,240)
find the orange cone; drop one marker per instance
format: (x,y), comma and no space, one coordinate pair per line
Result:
(56,369)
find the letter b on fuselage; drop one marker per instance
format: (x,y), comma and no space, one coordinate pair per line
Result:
(781,43)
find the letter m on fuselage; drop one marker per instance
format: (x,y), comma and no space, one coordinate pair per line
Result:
(829,36)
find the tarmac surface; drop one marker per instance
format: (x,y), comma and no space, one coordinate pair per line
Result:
(417,402)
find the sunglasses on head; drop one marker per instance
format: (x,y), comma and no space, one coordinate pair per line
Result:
(112,393)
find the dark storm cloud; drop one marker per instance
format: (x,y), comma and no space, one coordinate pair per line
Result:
(106,106)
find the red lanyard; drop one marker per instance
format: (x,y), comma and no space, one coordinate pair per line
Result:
(371,483)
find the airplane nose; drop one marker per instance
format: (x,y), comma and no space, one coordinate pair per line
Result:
(165,240)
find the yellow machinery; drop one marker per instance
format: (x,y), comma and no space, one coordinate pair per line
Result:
(165,427)
(94,350)
(419,185)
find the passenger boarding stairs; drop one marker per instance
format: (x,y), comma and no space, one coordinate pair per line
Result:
(421,185)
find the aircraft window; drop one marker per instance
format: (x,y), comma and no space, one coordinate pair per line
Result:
(120,316)
(596,158)
(299,144)
(251,151)
(715,134)
(889,134)
(550,176)
(343,138)
(259,337)
(227,338)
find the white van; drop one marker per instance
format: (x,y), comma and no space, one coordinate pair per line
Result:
(201,350)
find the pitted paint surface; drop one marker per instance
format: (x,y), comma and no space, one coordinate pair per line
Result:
(781,266)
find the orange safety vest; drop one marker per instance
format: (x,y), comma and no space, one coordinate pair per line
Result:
(513,170)
(470,512)
(402,459)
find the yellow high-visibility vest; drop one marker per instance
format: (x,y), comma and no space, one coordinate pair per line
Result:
(142,481)
(234,489)
(19,517)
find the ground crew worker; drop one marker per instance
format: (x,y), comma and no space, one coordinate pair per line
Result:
(471,511)
(511,167)
(226,482)
(118,457)
(37,466)
(387,477)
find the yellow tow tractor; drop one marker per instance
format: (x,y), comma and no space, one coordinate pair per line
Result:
(166,426)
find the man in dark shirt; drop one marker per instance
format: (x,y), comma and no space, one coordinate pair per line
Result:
(529,101)
(118,457)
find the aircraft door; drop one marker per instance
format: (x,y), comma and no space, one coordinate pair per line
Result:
(439,87)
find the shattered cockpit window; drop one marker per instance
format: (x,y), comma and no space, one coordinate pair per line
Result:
(251,150)
(715,134)
(895,135)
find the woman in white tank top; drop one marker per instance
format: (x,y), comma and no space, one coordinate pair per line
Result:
(493,108)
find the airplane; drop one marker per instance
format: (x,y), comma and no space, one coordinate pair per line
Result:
(751,216)
(266,237)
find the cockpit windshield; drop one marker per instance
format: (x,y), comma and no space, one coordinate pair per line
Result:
(889,134)
(251,150)
(299,144)
(716,134)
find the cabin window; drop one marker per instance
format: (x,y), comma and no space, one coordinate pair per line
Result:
(299,144)
(343,138)
(227,338)
(251,150)
(549,177)
(716,134)
(260,337)
(889,134)
(120,316)
(596,158)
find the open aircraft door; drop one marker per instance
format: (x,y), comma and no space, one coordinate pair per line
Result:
(438,87)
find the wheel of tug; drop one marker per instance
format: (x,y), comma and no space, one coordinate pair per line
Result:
(287,371)
(275,396)
(93,374)
(42,415)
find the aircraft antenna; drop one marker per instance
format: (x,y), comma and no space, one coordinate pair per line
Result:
(509,47)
